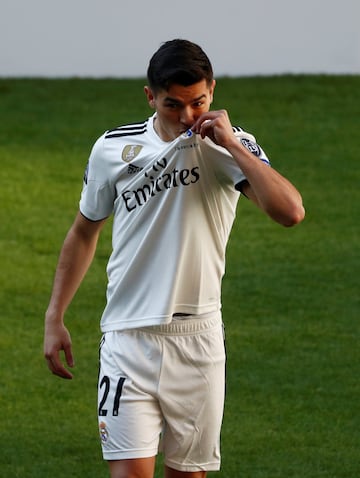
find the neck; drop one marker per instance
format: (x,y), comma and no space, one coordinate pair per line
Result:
(160,131)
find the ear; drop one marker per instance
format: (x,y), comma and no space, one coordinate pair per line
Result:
(211,90)
(150,96)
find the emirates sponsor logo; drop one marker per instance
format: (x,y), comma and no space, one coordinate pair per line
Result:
(158,180)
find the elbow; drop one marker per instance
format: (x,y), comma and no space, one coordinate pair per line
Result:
(294,217)
(287,213)
(287,216)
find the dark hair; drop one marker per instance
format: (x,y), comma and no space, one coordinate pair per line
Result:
(178,62)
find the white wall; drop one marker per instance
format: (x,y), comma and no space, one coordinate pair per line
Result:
(116,37)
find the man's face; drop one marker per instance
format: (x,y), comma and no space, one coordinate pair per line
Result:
(178,108)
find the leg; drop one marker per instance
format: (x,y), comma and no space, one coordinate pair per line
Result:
(134,468)
(171,473)
(130,419)
(192,398)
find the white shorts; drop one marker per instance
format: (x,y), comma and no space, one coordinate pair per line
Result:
(164,381)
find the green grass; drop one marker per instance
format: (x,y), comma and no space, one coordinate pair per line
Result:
(291,296)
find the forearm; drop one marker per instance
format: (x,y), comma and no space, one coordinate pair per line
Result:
(273,193)
(72,266)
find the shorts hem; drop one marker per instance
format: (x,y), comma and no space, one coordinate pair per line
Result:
(128,454)
(213,466)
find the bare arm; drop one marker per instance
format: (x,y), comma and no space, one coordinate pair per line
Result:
(268,189)
(75,258)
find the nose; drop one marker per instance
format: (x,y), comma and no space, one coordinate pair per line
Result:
(187,116)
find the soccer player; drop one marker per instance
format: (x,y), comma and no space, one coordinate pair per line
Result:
(172,183)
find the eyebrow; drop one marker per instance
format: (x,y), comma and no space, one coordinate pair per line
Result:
(174,100)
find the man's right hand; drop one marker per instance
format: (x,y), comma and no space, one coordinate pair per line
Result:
(57,338)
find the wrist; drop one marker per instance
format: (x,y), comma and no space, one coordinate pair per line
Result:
(237,149)
(53,317)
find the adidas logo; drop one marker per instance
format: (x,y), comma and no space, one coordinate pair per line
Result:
(133,169)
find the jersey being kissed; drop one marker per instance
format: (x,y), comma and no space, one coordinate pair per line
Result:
(174,205)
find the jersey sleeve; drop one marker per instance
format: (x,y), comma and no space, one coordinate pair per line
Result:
(249,141)
(98,193)
(225,164)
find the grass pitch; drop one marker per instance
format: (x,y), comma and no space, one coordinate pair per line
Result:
(290,296)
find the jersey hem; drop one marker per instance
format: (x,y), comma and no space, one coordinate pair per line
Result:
(131,323)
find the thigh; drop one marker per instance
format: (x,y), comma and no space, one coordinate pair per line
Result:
(130,419)
(192,393)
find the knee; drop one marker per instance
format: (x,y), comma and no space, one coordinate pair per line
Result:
(132,468)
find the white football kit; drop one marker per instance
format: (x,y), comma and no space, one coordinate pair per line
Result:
(160,375)
(173,205)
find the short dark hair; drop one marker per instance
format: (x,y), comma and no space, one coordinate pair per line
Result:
(180,62)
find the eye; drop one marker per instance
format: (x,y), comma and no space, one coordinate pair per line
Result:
(171,106)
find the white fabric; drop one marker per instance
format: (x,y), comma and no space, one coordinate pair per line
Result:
(169,381)
(174,205)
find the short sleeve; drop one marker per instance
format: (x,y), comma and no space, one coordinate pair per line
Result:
(98,193)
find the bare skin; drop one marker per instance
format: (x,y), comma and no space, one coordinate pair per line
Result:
(75,258)
(144,468)
(268,189)
(178,109)
(181,108)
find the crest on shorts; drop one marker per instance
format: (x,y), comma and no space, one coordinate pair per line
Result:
(104,435)
(130,152)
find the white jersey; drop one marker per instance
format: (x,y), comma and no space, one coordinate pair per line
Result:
(173,205)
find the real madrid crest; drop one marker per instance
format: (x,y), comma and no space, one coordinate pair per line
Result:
(130,152)
(104,435)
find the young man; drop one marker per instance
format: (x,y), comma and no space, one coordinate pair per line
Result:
(172,183)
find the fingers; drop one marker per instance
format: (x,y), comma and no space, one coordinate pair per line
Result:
(69,356)
(206,128)
(57,368)
(202,125)
(215,125)
(52,356)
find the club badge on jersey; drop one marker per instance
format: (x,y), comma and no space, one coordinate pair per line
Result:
(251,146)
